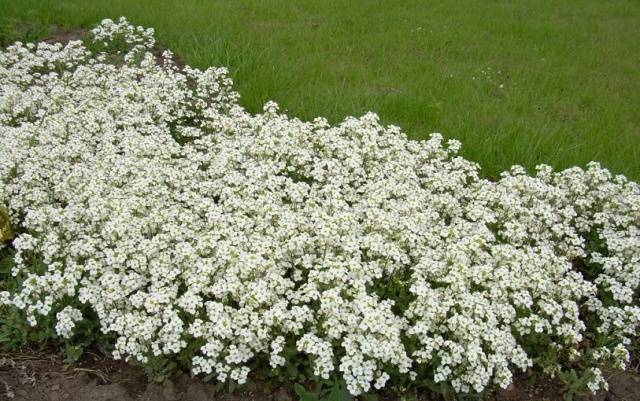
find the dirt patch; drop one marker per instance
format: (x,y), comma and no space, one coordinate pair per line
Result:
(42,376)
(64,35)
(177,60)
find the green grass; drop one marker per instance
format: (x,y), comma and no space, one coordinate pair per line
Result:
(561,82)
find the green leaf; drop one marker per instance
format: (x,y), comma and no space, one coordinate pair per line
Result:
(292,370)
(304,394)
(369,397)
(73,353)
(232,386)
(6,264)
(339,393)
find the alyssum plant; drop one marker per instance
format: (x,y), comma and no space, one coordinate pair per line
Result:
(147,203)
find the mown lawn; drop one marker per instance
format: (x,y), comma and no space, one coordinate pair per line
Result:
(516,81)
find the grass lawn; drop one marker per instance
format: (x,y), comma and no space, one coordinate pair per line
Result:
(518,82)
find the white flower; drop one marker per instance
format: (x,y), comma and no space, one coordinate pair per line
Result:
(67,319)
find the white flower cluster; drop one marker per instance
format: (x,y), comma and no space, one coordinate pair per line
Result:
(146,193)
(66,321)
(123,36)
(597,381)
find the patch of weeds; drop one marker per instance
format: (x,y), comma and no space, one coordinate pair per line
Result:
(575,383)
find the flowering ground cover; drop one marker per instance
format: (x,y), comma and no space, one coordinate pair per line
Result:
(151,213)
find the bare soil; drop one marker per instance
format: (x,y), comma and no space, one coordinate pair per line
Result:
(31,375)
(64,35)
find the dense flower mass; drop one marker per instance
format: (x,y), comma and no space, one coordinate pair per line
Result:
(146,194)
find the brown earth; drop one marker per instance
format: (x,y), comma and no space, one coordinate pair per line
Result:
(64,35)
(43,376)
